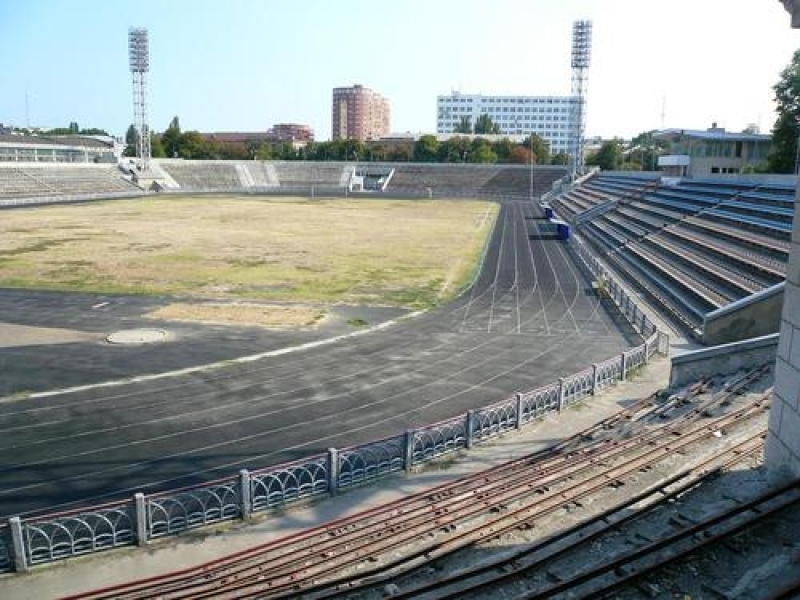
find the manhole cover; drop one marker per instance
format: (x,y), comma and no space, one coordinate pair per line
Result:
(137,336)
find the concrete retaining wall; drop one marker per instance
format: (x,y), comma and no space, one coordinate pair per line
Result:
(783,441)
(723,359)
(756,315)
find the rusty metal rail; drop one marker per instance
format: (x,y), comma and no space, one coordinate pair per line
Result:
(675,547)
(535,555)
(300,563)
(527,515)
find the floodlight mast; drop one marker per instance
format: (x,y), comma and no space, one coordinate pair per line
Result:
(581,53)
(139,59)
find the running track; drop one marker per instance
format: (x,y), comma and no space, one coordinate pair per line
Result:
(529,318)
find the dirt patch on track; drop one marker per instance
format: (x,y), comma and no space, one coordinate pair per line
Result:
(273,316)
(13,335)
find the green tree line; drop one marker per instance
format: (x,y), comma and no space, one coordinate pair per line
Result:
(174,142)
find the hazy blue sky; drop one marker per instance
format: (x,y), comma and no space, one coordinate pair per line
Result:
(245,65)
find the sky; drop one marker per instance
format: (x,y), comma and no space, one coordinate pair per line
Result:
(244,65)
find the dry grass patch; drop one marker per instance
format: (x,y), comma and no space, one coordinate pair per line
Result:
(397,252)
(271,316)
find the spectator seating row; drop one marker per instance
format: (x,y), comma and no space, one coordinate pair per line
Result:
(421,179)
(28,181)
(692,247)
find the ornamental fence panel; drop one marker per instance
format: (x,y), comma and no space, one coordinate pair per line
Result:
(540,401)
(6,547)
(635,358)
(280,485)
(361,464)
(72,534)
(578,386)
(495,419)
(608,372)
(197,507)
(438,439)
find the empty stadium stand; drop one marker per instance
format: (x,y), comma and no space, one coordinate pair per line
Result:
(204,175)
(24,180)
(422,179)
(692,247)
(300,173)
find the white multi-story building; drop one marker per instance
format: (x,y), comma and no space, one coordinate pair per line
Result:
(552,118)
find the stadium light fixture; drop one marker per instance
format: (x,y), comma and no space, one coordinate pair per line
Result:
(139,62)
(581,57)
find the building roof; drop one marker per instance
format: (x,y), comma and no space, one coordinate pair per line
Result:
(71,141)
(714,134)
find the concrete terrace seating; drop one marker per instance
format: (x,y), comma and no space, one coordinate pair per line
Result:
(598,191)
(423,179)
(440,180)
(203,175)
(28,181)
(522,181)
(262,174)
(306,174)
(696,246)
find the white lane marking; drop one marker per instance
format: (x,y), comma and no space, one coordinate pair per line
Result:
(224,363)
(100,305)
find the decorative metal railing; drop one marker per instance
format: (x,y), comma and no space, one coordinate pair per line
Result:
(361,464)
(45,539)
(440,438)
(30,541)
(6,558)
(171,513)
(276,486)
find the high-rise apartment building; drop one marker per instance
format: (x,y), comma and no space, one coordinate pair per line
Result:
(552,118)
(359,113)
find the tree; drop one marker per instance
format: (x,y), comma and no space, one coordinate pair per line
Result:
(454,150)
(131,139)
(354,149)
(503,149)
(485,125)
(191,145)
(426,149)
(520,155)
(73,128)
(539,147)
(156,147)
(172,138)
(785,130)
(560,158)
(644,153)
(285,151)
(609,157)
(481,152)
(464,125)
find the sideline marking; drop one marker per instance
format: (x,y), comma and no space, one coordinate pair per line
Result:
(220,364)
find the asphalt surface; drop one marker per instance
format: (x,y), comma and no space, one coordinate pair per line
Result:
(529,318)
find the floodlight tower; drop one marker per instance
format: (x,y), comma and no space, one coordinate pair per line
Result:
(139,54)
(581,52)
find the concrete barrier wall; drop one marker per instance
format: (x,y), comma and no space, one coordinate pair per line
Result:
(756,315)
(723,359)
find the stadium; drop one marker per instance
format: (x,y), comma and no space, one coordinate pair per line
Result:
(203,344)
